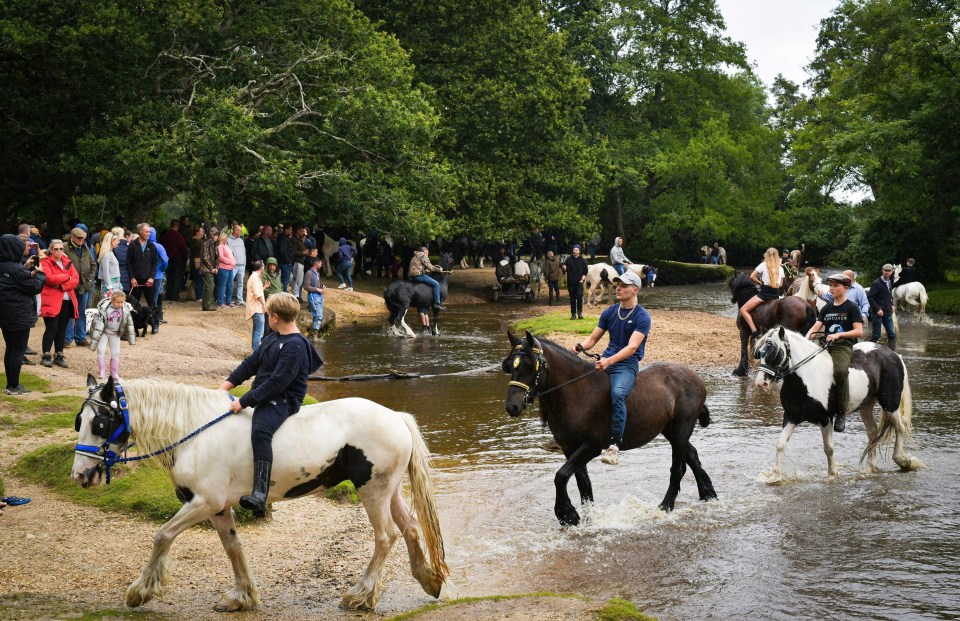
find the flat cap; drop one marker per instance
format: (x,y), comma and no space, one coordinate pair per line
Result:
(78,232)
(843,279)
(887,266)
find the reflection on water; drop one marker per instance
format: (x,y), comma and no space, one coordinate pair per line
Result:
(880,547)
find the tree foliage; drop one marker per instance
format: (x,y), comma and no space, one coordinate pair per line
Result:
(882,118)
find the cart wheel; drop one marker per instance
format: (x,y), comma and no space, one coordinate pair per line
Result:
(496,295)
(529,296)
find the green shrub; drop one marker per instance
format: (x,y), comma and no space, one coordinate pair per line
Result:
(621,610)
(676,273)
(944,298)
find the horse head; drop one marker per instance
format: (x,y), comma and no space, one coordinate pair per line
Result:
(527,368)
(104,429)
(897,268)
(742,288)
(773,352)
(446,261)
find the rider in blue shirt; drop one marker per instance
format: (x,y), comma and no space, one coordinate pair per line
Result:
(629,325)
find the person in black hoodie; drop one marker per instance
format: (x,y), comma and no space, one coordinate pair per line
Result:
(282,364)
(285,256)
(19,286)
(142,260)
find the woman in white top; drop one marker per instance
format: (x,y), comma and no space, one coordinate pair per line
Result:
(769,275)
(109,264)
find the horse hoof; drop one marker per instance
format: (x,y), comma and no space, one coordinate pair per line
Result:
(228,606)
(666,508)
(739,373)
(569,518)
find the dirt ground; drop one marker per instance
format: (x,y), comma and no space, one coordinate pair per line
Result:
(61,560)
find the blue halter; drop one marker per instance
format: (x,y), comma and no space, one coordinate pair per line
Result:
(118,408)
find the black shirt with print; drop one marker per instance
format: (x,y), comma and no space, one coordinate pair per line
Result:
(840,318)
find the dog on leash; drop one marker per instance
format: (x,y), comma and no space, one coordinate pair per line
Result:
(142,316)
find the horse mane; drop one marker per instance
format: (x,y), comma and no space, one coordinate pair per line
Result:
(563,352)
(742,288)
(164,412)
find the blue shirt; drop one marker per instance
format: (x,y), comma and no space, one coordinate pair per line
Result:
(855,294)
(621,325)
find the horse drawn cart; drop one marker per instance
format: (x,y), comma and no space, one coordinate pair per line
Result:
(527,290)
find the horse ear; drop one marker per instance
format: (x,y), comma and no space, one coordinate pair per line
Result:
(91,380)
(530,340)
(514,339)
(107,393)
(782,333)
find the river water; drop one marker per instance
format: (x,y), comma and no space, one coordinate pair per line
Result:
(883,546)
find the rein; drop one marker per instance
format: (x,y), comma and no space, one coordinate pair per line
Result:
(118,408)
(783,369)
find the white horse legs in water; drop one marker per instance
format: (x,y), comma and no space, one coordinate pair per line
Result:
(319,447)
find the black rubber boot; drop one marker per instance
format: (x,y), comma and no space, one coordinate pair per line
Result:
(257,500)
(839,422)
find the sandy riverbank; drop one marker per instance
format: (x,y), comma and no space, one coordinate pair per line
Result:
(63,559)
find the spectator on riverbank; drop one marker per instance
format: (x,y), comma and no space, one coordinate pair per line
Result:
(239,249)
(58,302)
(20,283)
(177,252)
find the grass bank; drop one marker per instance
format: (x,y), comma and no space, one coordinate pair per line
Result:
(566,605)
(676,273)
(944,298)
(555,322)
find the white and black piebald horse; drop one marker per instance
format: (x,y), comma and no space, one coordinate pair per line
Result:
(877,375)
(323,445)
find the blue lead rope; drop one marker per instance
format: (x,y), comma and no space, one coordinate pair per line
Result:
(110,458)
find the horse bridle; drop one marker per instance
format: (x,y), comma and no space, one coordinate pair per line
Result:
(780,367)
(539,366)
(111,421)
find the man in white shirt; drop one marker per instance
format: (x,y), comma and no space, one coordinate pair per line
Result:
(521,270)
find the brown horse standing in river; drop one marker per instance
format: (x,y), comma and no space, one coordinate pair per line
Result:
(666,399)
(790,312)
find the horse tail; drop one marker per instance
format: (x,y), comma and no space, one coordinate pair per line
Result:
(923,300)
(424,505)
(886,429)
(704,417)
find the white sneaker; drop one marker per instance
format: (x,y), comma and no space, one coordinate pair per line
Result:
(349,288)
(343,285)
(611,455)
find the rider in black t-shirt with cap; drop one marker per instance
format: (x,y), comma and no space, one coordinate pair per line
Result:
(843,323)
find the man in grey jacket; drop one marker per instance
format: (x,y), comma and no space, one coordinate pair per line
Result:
(617,258)
(235,243)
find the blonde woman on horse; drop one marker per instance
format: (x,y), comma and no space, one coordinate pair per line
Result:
(769,276)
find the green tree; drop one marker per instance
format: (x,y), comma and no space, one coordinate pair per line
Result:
(511,105)
(289,110)
(692,156)
(881,119)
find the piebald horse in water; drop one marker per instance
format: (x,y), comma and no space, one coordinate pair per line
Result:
(877,375)
(667,399)
(316,449)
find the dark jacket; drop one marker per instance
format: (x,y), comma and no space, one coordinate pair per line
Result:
(121,253)
(576,269)
(142,261)
(284,250)
(551,268)
(907,275)
(263,249)
(880,297)
(175,244)
(86,266)
(282,365)
(18,287)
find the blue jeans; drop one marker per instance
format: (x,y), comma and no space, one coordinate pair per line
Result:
(886,321)
(315,301)
(286,269)
(620,267)
(239,273)
(224,286)
(258,319)
(436,287)
(343,272)
(622,375)
(77,329)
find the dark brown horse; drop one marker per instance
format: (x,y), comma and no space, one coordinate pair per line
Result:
(666,399)
(790,312)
